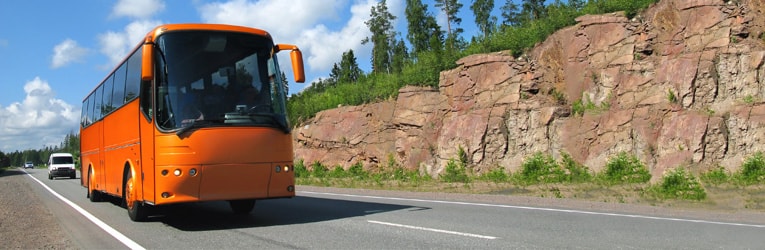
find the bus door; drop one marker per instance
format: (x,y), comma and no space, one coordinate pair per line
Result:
(145,169)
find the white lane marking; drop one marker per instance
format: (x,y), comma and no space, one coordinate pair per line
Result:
(541,209)
(113,232)
(433,230)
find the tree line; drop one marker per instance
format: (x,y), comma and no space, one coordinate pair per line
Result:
(70,144)
(432,48)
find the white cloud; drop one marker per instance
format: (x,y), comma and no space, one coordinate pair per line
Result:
(325,46)
(116,45)
(67,52)
(140,9)
(284,19)
(40,120)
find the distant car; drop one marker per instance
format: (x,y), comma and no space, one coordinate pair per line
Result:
(29,164)
(61,165)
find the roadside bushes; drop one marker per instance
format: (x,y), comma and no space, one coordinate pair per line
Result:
(455,171)
(326,176)
(625,168)
(540,168)
(753,170)
(678,184)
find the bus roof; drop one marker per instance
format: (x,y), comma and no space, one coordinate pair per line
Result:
(202,26)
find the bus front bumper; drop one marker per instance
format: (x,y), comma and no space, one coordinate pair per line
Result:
(193,183)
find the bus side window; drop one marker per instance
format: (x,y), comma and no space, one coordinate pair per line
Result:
(107,106)
(98,104)
(118,94)
(146,99)
(133,76)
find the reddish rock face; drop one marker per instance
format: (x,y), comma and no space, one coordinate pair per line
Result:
(682,84)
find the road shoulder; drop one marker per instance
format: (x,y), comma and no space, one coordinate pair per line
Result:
(731,216)
(26,222)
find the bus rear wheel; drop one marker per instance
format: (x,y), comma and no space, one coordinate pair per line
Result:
(242,206)
(137,211)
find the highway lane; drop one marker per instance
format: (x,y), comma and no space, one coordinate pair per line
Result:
(354,219)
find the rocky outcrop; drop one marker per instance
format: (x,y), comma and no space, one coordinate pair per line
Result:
(682,84)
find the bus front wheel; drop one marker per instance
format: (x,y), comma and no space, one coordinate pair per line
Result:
(93,194)
(136,210)
(242,206)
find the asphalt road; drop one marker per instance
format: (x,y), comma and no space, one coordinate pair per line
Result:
(325,218)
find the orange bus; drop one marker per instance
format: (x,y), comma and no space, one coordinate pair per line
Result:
(196,112)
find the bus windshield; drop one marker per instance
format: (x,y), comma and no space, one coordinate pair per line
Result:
(209,78)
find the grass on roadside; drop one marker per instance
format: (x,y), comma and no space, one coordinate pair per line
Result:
(623,176)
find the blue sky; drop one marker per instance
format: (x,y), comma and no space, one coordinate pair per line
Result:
(53,53)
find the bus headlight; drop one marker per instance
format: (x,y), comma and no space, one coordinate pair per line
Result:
(286,168)
(278,168)
(177,172)
(193,172)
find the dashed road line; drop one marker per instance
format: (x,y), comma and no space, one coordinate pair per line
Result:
(433,230)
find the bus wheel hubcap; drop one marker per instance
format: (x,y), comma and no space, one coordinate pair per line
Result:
(129,193)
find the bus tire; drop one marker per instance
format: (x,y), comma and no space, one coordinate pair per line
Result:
(137,211)
(93,194)
(242,206)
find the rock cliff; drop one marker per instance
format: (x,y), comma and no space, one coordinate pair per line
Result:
(682,84)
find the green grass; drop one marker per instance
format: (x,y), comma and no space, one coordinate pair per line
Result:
(541,168)
(678,184)
(496,175)
(575,171)
(752,170)
(715,176)
(625,168)
(539,171)
(671,97)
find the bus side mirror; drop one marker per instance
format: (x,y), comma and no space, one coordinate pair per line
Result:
(147,62)
(297,60)
(297,65)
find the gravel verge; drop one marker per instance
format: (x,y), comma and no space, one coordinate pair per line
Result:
(25,222)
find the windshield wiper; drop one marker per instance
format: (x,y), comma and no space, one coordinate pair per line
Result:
(194,124)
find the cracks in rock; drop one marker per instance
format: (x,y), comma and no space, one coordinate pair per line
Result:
(471,82)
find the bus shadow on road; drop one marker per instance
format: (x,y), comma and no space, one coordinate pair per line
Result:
(298,210)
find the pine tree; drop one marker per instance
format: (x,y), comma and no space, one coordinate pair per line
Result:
(510,14)
(334,74)
(381,26)
(286,83)
(533,9)
(421,26)
(347,71)
(5,161)
(400,55)
(482,12)
(450,8)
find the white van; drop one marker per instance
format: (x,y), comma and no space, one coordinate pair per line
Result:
(61,165)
